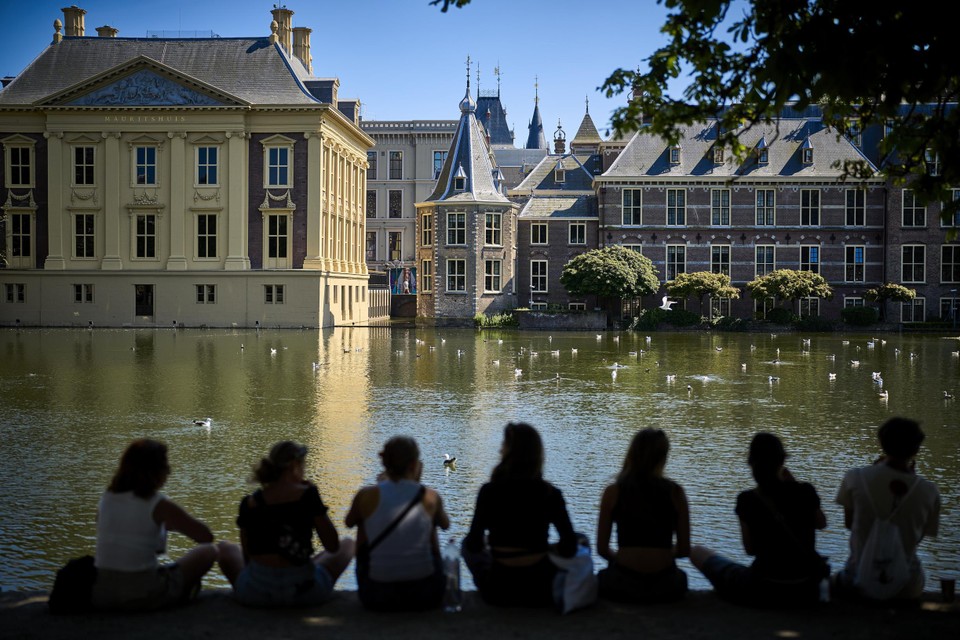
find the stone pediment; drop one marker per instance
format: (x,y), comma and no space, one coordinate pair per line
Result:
(142,82)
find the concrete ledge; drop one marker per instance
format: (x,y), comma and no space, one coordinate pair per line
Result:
(700,616)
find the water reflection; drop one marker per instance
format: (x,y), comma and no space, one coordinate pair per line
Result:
(71,400)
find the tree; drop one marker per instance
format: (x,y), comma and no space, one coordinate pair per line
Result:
(862,62)
(611,272)
(700,284)
(889,291)
(789,285)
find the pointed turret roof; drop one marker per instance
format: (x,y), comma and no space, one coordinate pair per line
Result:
(587,137)
(536,139)
(470,160)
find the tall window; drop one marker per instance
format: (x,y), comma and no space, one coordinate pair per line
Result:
(83,293)
(949,308)
(371,203)
(21,238)
(206,293)
(931,159)
(456,228)
(765,259)
(766,207)
(278,166)
(491,276)
(439,157)
(493,232)
(20,167)
(950,263)
(632,201)
(146,236)
(856,208)
(578,233)
(809,207)
(83,165)
(396,165)
(395,203)
(913,261)
(955,221)
(370,246)
(538,233)
(277,237)
(720,259)
(207,165)
(395,244)
(810,258)
(809,307)
(676,207)
(854,263)
(84,239)
(426,276)
(719,307)
(456,275)
(676,260)
(914,214)
(674,155)
(371,165)
(913,310)
(538,276)
(426,230)
(720,207)
(273,294)
(206,235)
(146,165)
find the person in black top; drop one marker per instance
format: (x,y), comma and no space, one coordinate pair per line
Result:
(778,523)
(506,548)
(277,566)
(649,510)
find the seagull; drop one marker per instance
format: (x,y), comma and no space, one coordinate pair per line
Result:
(831,376)
(517,373)
(871,344)
(500,341)
(555,352)
(773,379)
(671,377)
(667,303)
(947,395)
(599,337)
(273,351)
(719,349)
(448,462)
(876,375)
(616,338)
(573,350)
(854,363)
(845,342)
(496,362)
(883,395)
(806,341)
(743,366)
(689,389)
(203,423)
(832,356)
(613,374)
(648,338)
(316,365)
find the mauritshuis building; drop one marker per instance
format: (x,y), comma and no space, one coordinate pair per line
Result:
(193,181)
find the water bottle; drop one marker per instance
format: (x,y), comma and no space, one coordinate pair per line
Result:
(452,595)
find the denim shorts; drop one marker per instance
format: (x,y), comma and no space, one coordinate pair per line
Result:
(138,590)
(262,586)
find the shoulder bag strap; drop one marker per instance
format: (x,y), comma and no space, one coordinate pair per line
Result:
(393,525)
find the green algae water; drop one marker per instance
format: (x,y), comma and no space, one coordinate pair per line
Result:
(71,400)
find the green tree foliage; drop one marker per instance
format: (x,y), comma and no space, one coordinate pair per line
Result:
(789,285)
(890,291)
(700,284)
(611,272)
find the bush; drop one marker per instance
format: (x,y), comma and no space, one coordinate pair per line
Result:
(682,318)
(814,323)
(779,315)
(729,323)
(860,316)
(647,319)
(483,321)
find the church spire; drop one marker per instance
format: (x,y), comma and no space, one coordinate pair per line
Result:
(535,137)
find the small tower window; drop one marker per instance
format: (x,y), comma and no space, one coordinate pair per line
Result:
(675,155)
(718,155)
(460,179)
(763,153)
(559,173)
(806,151)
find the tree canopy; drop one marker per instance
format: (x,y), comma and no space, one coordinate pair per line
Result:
(700,284)
(890,291)
(789,285)
(611,272)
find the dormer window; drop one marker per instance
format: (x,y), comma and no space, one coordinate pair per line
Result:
(853,131)
(932,160)
(718,155)
(806,152)
(675,154)
(763,153)
(460,179)
(559,173)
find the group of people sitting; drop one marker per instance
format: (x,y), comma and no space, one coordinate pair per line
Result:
(397,553)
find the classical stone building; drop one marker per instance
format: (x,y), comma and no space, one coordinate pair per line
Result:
(199,181)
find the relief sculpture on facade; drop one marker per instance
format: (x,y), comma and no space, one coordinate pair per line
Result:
(144,88)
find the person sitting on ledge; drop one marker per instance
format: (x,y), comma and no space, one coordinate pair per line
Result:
(277,566)
(778,523)
(890,484)
(649,510)
(398,554)
(517,508)
(132,523)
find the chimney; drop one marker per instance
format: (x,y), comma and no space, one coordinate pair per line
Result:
(284,18)
(73,20)
(106,31)
(301,47)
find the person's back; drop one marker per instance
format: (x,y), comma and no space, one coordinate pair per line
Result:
(890,486)
(406,554)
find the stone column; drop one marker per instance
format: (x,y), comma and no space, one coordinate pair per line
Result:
(238,258)
(180,228)
(111,204)
(55,209)
(314,257)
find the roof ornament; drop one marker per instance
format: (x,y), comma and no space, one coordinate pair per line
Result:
(467,105)
(496,72)
(57,26)
(273,31)
(536,87)
(478,78)
(587,98)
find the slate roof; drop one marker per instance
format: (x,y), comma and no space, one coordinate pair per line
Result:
(470,154)
(587,134)
(579,171)
(496,122)
(536,139)
(647,155)
(583,206)
(251,69)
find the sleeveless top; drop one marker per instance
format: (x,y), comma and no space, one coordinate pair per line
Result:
(645,513)
(128,539)
(406,553)
(284,528)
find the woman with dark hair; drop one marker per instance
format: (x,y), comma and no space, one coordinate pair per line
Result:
(650,511)
(398,554)
(778,523)
(506,548)
(132,523)
(277,566)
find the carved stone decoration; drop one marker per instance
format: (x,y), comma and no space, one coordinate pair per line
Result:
(84,196)
(13,199)
(145,88)
(197,196)
(267,197)
(145,199)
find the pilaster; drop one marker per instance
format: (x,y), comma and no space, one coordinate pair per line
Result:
(111,203)
(55,208)
(179,165)
(238,258)
(314,257)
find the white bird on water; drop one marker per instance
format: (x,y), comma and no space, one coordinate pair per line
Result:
(517,373)
(831,376)
(273,351)
(667,304)
(883,395)
(203,423)
(449,462)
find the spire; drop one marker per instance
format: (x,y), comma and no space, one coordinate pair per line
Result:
(587,138)
(467,105)
(496,72)
(535,137)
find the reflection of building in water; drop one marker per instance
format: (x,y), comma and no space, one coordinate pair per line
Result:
(195,181)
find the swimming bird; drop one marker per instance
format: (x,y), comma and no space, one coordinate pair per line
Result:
(316,365)
(805,341)
(831,376)
(955,354)
(671,377)
(854,363)
(517,373)
(448,462)
(616,338)
(648,339)
(631,353)
(832,356)
(743,366)
(555,352)
(613,374)
(667,303)
(753,347)
(871,344)
(496,362)
(500,341)
(689,389)
(203,423)
(573,350)
(947,395)
(273,351)
(773,379)
(599,337)
(883,395)
(719,349)
(845,342)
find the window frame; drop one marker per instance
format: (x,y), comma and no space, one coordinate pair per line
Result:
(16,145)
(206,239)
(850,251)
(916,211)
(857,210)
(371,204)
(86,166)
(274,294)
(283,147)
(810,210)
(371,233)
(806,261)
(717,259)
(83,293)
(635,208)
(395,203)
(395,165)
(202,168)
(717,217)
(679,211)
(540,281)
(766,208)
(146,242)
(918,302)
(808,302)
(772,262)
(492,279)
(671,262)
(426,230)
(456,275)
(278,261)
(953,264)
(535,228)
(88,236)
(577,233)
(441,155)
(148,167)
(426,276)
(914,249)
(458,231)
(493,229)
(394,254)
(205,294)
(371,165)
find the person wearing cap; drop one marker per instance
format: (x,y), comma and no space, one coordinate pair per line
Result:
(890,486)
(276,564)
(778,523)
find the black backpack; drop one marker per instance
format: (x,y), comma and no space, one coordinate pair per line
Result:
(73,588)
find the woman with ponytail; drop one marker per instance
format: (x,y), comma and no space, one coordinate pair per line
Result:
(778,523)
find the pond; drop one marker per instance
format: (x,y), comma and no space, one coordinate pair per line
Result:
(71,400)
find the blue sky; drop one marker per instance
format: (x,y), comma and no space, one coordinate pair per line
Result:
(404,59)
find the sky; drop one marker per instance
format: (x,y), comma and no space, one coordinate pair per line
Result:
(405,59)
